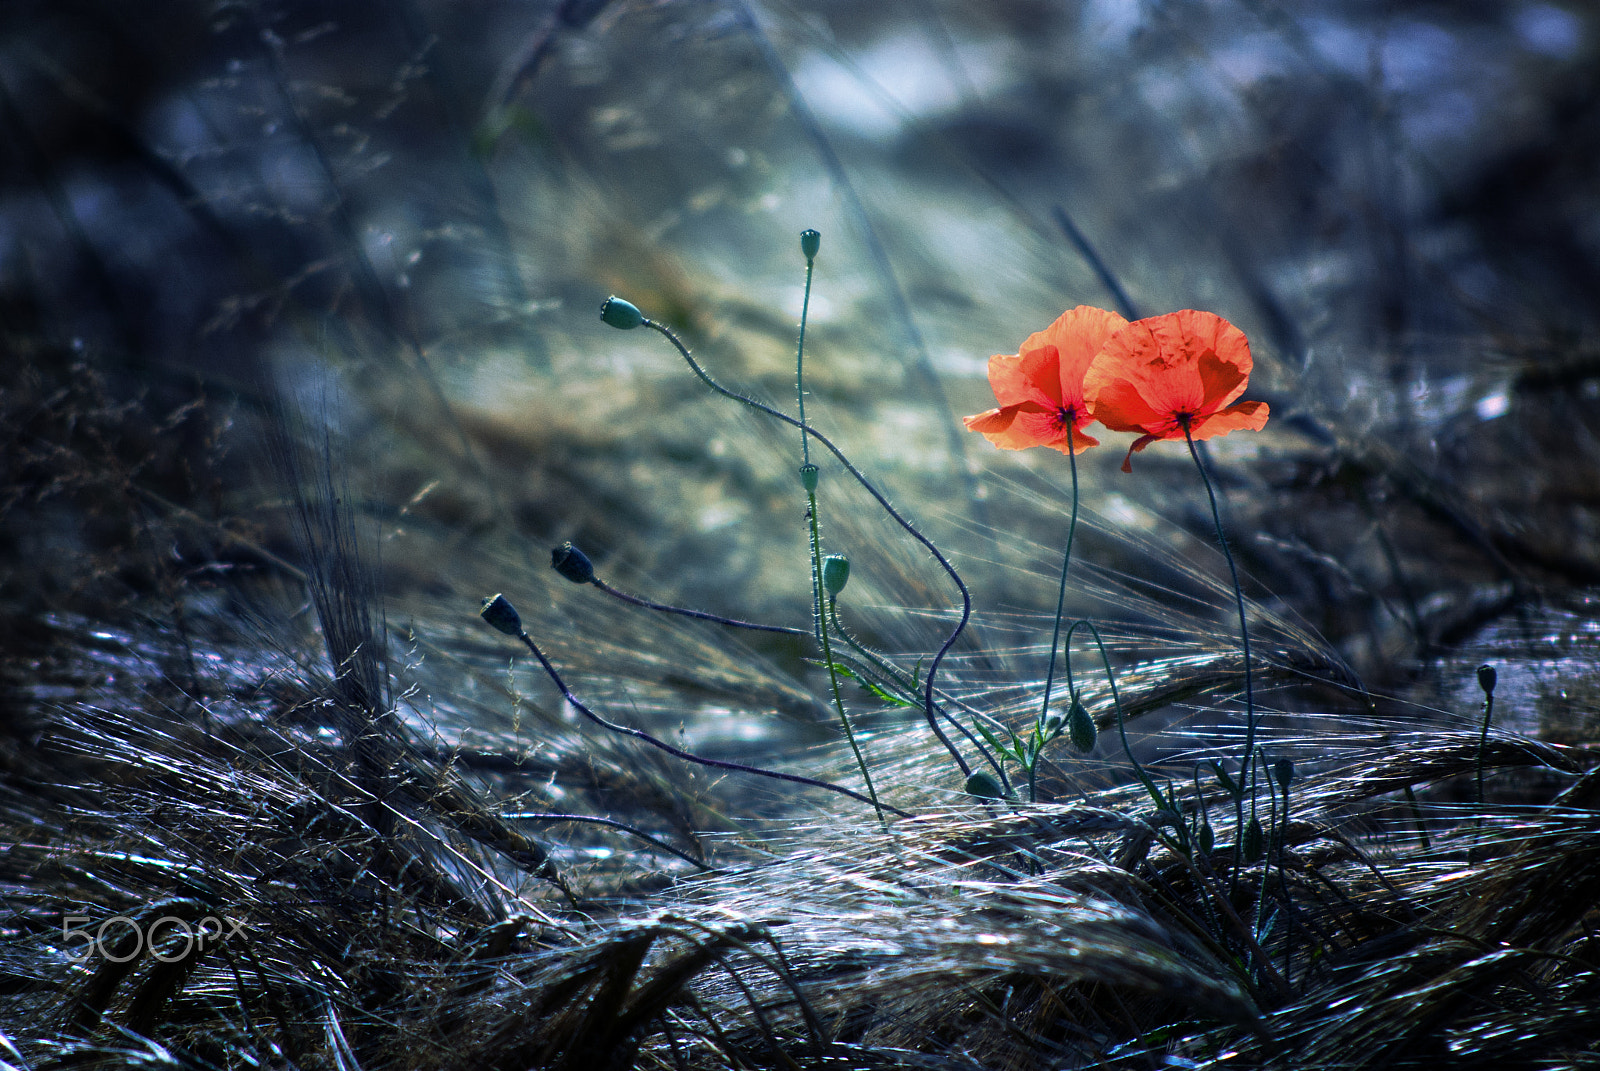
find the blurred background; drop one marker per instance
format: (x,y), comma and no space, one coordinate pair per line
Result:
(391,226)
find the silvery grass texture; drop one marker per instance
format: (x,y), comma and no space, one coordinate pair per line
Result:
(298,307)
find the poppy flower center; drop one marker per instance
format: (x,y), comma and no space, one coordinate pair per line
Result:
(1066,417)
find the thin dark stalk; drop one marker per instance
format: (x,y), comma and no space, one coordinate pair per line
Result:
(827,652)
(1244,642)
(611,823)
(700,615)
(1116,700)
(718,764)
(883,503)
(799,367)
(1061,593)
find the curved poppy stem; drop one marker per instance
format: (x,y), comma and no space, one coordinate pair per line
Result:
(687,756)
(1061,594)
(1246,766)
(911,529)
(1161,801)
(699,615)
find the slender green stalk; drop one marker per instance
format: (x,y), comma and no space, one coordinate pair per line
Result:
(799,361)
(1161,801)
(1244,642)
(809,241)
(827,651)
(930,712)
(1061,593)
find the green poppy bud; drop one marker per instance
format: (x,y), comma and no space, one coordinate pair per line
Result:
(810,242)
(1206,838)
(1054,723)
(1080,727)
(808,477)
(623,315)
(835,573)
(501,615)
(1251,845)
(572,563)
(984,785)
(1283,772)
(1487,678)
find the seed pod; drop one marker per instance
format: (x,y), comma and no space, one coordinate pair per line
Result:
(500,615)
(835,573)
(1080,727)
(1283,772)
(572,563)
(810,242)
(984,785)
(623,315)
(1251,845)
(808,477)
(1487,678)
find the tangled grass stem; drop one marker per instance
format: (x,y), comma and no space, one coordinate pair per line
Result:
(719,764)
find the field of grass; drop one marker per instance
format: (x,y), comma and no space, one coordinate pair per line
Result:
(303,363)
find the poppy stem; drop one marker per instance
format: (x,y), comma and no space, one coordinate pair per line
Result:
(700,615)
(1066,560)
(929,710)
(827,649)
(1245,767)
(718,764)
(1161,802)
(799,364)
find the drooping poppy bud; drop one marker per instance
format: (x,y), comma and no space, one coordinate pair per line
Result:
(835,574)
(1207,838)
(1487,677)
(810,242)
(1283,772)
(808,477)
(501,616)
(984,785)
(623,315)
(572,563)
(1080,727)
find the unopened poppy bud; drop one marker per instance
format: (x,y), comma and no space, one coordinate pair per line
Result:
(835,573)
(620,314)
(1283,772)
(810,242)
(500,615)
(1080,727)
(1054,722)
(572,563)
(1251,844)
(983,784)
(1207,838)
(808,477)
(1487,678)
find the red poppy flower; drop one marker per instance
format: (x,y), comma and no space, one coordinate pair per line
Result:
(1168,374)
(1040,387)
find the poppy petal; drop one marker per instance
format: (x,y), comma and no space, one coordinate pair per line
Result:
(1246,416)
(1117,403)
(1046,429)
(1001,427)
(1138,446)
(1222,380)
(1042,369)
(1079,334)
(1006,379)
